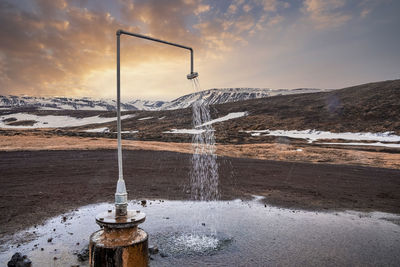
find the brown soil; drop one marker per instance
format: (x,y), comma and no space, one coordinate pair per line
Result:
(372,157)
(38,184)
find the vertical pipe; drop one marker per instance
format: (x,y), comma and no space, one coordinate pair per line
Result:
(121,196)
(191,60)
(120,173)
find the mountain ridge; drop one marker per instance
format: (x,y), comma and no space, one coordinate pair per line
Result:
(211,96)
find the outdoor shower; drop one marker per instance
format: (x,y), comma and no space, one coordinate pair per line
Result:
(120,242)
(121,194)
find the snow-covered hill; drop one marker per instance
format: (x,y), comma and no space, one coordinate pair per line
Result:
(211,96)
(220,96)
(61,103)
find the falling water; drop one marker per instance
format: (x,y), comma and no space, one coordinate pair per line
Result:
(204,174)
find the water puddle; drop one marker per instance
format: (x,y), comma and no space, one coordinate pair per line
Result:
(228,233)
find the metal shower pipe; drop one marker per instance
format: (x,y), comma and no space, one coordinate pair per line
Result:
(121,196)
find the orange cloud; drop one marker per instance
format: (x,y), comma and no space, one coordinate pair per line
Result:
(326,13)
(51,52)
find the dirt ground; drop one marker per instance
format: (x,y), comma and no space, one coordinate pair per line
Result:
(294,152)
(36,185)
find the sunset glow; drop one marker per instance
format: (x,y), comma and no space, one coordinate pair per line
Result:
(67,48)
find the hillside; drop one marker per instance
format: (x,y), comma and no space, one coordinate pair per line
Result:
(373,107)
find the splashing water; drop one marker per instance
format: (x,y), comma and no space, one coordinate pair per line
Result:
(190,242)
(204,174)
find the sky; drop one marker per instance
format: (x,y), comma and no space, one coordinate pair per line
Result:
(68,48)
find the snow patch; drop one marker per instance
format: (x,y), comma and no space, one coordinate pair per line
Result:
(185,131)
(48,108)
(365,144)
(106,130)
(98,130)
(128,132)
(145,118)
(230,116)
(52,121)
(313,135)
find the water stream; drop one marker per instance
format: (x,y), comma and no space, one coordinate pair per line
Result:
(204,173)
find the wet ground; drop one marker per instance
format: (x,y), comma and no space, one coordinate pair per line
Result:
(226,233)
(36,185)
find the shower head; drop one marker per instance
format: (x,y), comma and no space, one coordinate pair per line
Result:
(192,75)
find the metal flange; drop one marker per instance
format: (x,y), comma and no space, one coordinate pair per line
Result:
(109,220)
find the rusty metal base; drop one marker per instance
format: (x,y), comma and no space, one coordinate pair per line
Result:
(109,219)
(117,247)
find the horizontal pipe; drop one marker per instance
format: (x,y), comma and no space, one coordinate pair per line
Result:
(119,32)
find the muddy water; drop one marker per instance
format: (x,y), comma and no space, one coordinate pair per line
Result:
(222,233)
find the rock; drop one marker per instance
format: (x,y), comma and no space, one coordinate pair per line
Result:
(83,255)
(50,239)
(25,262)
(143,202)
(163,255)
(17,260)
(14,259)
(203,224)
(153,250)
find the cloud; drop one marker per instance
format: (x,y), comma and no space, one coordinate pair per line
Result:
(60,47)
(165,19)
(367,6)
(53,50)
(246,8)
(217,36)
(326,13)
(365,12)
(232,9)
(270,5)
(47,53)
(201,9)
